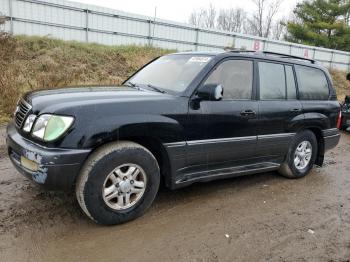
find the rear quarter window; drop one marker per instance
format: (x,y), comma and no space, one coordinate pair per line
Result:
(313,84)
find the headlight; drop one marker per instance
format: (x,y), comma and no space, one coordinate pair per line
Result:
(29,123)
(50,127)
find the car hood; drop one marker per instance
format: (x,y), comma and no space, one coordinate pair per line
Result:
(57,100)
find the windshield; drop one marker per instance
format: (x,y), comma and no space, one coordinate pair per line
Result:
(170,73)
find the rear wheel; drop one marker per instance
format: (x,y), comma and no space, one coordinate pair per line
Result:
(301,155)
(118,183)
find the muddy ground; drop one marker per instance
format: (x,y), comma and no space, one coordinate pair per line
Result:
(254,218)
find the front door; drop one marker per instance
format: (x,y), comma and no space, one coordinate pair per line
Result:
(225,131)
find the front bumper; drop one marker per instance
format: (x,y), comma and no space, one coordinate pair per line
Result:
(57,167)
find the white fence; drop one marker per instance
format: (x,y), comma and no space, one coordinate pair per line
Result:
(87,23)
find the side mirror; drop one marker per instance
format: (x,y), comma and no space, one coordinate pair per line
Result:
(348,77)
(211,92)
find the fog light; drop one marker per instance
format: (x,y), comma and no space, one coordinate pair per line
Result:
(29,164)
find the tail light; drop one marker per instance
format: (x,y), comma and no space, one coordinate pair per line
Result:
(339,120)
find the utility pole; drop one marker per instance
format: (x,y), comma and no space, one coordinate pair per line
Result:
(154,21)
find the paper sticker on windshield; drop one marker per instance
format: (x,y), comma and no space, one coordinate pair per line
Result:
(199,59)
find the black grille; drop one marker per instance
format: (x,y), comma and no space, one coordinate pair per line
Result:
(21,112)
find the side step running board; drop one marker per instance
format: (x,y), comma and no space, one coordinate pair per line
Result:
(227,172)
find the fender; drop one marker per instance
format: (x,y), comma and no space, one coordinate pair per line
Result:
(119,127)
(317,120)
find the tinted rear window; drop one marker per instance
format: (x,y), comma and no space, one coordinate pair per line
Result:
(272,81)
(313,83)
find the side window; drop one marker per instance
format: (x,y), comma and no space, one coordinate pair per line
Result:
(313,84)
(236,77)
(272,81)
(290,80)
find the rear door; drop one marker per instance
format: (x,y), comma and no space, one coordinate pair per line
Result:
(280,112)
(314,94)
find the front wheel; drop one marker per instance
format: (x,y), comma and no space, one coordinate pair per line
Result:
(118,183)
(301,155)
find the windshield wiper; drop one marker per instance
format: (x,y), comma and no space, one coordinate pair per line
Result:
(134,85)
(137,86)
(156,88)
(129,83)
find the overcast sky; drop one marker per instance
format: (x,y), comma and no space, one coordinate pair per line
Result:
(178,10)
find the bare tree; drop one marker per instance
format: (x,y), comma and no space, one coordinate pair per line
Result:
(210,17)
(204,17)
(279,29)
(197,18)
(261,22)
(232,20)
(256,21)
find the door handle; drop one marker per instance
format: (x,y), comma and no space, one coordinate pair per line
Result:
(248,113)
(295,110)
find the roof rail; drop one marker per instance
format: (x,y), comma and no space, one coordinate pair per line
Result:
(288,56)
(241,51)
(312,61)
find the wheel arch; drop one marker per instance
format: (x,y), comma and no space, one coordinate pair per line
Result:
(153,145)
(317,131)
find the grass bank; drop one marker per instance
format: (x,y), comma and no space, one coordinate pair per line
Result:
(342,85)
(32,63)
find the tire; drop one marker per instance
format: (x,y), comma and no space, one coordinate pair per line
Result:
(105,171)
(291,168)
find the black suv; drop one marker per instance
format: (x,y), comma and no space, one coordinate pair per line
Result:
(183,118)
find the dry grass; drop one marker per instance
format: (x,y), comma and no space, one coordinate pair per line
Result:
(32,63)
(342,85)
(8,77)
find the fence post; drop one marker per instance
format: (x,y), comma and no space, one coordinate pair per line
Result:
(332,57)
(290,49)
(234,41)
(197,38)
(87,25)
(11,16)
(149,32)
